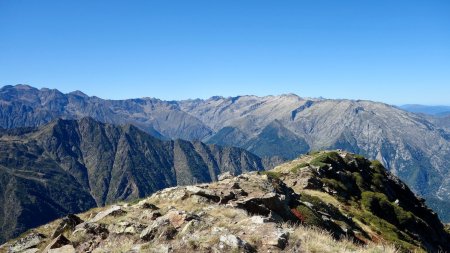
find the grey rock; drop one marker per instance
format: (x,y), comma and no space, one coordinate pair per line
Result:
(226,175)
(203,193)
(57,242)
(63,249)
(67,223)
(30,241)
(235,242)
(150,232)
(113,211)
(32,250)
(278,239)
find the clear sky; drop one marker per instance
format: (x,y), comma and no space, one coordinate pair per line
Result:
(395,51)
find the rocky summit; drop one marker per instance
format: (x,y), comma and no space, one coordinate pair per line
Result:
(321,202)
(70,166)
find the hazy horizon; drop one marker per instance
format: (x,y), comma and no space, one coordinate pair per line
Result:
(227,96)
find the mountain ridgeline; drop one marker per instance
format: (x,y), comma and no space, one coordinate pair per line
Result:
(323,202)
(69,166)
(414,147)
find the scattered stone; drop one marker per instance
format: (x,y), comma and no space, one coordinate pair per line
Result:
(96,229)
(155,215)
(149,206)
(58,242)
(30,241)
(223,176)
(234,242)
(235,186)
(113,211)
(307,204)
(148,215)
(195,190)
(32,250)
(279,239)
(67,223)
(226,198)
(64,249)
(188,227)
(178,218)
(149,232)
(168,232)
(257,219)
(245,177)
(270,203)
(117,228)
(130,230)
(145,205)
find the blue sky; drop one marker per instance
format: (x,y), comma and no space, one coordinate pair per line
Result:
(392,51)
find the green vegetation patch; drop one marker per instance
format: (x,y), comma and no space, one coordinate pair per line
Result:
(324,159)
(297,168)
(335,184)
(271,174)
(309,216)
(378,204)
(388,231)
(388,219)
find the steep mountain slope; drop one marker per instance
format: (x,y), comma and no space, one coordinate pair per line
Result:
(362,207)
(409,145)
(69,166)
(442,122)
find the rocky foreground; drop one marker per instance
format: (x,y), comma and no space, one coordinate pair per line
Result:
(324,202)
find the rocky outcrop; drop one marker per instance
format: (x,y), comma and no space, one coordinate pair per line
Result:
(69,166)
(368,210)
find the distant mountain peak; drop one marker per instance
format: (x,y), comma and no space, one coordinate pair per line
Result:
(79,93)
(24,87)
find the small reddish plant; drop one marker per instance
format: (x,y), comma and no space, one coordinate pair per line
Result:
(298,214)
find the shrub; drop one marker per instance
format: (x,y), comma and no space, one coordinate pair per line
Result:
(335,184)
(310,218)
(379,205)
(323,159)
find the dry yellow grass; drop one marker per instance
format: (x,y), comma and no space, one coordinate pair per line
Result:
(311,239)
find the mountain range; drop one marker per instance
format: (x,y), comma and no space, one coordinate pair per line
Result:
(69,166)
(412,146)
